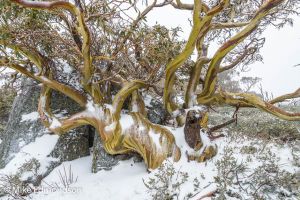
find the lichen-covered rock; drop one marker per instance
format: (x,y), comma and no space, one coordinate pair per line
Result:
(20,132)
(156,113)
(101,159)
(104,161)
(7,95)
(72,145)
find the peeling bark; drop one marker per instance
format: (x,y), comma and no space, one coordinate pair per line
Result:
(153,142)
(192,130)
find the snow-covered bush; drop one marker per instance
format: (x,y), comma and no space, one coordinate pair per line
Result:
(167,183)
(259,176)
(18,185)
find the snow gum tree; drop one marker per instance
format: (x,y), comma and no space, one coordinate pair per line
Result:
(101,54)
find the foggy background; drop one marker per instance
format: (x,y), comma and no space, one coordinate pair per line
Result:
(281,51)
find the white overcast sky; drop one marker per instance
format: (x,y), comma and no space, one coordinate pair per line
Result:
(281,51)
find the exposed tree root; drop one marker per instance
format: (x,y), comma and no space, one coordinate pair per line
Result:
(153,142)
(208,153)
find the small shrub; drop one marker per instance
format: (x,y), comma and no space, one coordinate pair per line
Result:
(248,150)
(66,177)
(13,186)
(167,183)
(266,181)
(19,184)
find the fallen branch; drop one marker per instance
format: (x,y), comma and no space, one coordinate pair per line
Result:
(209,194)
(217,127)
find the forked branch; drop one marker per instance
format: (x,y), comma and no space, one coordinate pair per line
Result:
(213,69)
(240,99)
(64,89)
(50,121)
(82,29)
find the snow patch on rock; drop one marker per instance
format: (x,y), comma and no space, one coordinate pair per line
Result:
(33,116)
(38,149)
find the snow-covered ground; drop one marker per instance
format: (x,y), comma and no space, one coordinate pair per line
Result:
(39,149)
(125,181)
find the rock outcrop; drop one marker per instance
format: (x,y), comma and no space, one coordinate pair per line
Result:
(104,161)
(156,113)
(19,132)
(24,126)
(101,159)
